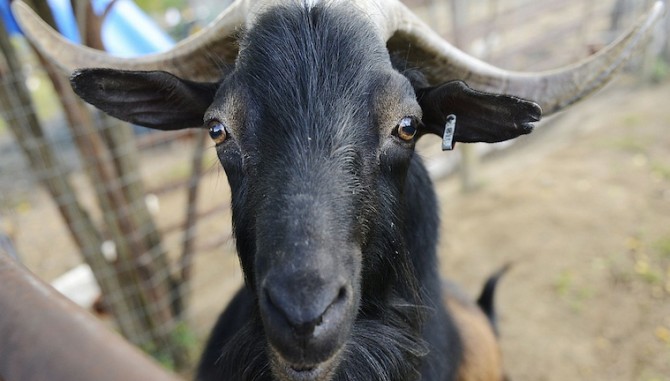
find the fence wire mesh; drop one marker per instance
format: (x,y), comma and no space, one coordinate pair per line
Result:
(134,224)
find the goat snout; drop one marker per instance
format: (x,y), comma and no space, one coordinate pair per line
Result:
(306,317)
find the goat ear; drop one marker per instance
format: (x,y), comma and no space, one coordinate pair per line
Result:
(480,117)
(153,99)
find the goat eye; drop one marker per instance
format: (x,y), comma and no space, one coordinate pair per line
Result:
(407,128)
(217,131)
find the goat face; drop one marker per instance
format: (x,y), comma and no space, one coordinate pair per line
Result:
(314,156)
(315,130)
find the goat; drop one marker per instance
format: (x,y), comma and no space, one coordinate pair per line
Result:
(315,120)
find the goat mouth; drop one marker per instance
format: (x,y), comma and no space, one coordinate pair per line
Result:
(324,371)
(302,373)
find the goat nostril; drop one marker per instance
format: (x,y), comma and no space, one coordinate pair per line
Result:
(304,319)
(307,329)
(341,295)
(303,329)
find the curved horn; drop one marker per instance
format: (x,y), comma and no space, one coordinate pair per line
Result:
(199,57)
(553,90)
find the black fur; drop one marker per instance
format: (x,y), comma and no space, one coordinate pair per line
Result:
(402,330)
(335,217)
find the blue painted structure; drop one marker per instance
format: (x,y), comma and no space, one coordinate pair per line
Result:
(126,31)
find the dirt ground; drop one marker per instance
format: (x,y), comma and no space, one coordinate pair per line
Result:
(583,214)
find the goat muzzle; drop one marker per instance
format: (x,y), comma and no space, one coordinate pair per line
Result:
(306,318)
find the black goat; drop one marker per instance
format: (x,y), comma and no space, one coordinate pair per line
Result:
(335,217)
(334,214)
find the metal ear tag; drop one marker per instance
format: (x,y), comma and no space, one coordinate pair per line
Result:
(448,137)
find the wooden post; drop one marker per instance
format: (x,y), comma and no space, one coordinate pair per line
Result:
(150,263)
(186,260)
(147,260)
(469,158)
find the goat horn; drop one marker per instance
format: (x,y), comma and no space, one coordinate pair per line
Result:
(553,90)
(198,57)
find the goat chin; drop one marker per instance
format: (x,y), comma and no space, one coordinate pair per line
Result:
(285,371)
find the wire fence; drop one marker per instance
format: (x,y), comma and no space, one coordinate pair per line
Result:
(135,225)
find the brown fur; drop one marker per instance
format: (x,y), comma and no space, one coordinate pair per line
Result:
(482,360)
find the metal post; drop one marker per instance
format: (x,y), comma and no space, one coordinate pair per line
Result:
(44,336)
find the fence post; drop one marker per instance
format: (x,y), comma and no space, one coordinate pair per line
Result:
(469,157)
(191,218)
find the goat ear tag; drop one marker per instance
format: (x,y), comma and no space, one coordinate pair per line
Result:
(448,136)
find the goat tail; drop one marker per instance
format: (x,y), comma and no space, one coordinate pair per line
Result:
(486,300)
